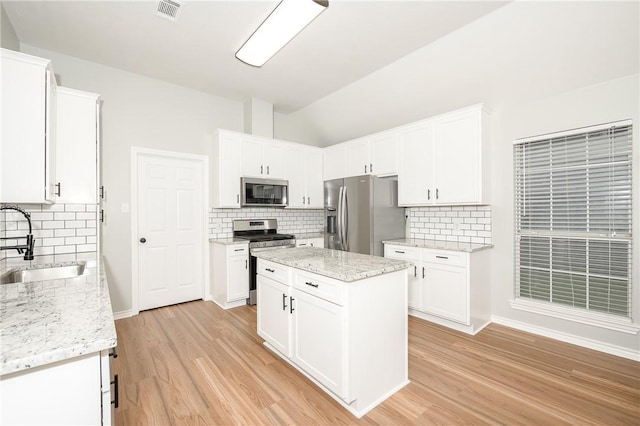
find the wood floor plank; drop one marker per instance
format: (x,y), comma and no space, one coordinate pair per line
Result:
(196,364)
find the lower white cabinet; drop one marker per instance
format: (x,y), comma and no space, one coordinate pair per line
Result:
(229,274)
(76,391)
(310,242)
(448,287)
(335,332)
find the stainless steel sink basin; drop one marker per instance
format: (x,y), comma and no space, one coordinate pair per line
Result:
(47,272)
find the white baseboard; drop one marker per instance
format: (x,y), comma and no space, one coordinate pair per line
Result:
(569,338)
(124,314)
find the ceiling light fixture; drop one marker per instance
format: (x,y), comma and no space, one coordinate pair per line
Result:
(281,26)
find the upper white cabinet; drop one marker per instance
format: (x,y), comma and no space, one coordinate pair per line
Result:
(76,146)
(444,160)
(335,161)
(28,87)
(303,169)
(226,169)
(358,157)
(373,155)
(262,158)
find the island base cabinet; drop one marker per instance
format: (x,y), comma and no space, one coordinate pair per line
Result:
(319,334)
(68,392)
(348,338)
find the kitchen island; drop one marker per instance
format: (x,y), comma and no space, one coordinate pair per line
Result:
(338,317)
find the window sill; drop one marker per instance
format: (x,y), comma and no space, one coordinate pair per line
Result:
(577,315)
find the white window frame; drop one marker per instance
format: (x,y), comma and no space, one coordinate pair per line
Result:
(582,315)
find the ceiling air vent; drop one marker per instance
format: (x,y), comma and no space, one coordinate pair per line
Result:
(169,9)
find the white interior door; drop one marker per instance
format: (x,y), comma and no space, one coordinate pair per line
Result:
(170,230)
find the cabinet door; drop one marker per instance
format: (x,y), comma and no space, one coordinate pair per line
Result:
(273,160)
(415,171)
(358,157)
(457,158)
(27,166)
(76,146)
(334,162)
(384,154)
(313,179)
(445,292)
(229,170)
(274,316)
(295,174)
(318,343)
(238,281)
(252,157)
(414,274)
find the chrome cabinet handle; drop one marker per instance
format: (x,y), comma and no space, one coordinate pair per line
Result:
(428,194)
(423,272)
(284,302)
(415,271)
(365,169)
(398,251)
(267,169)
(246,265)
(303,199)
(59,190)
(442,257)
(437,193)
(311,284)
(370,167)
(291,299)
(308,200)
(261,168)
(269,270)
(237,198)
(116,394)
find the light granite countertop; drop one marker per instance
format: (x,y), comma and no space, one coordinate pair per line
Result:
(48,321)
(341,265)
(228,241)
(440,245)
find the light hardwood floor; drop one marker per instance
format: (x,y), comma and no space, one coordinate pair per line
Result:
(195,363)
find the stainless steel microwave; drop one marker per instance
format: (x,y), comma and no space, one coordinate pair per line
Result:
(264,192)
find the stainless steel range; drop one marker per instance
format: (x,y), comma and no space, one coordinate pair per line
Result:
(262,235)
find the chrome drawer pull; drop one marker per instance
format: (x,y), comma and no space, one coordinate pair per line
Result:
(398,251)
(311,284)
(270,270)
(442,257)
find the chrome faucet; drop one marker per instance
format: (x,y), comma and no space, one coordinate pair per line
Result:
(27,248)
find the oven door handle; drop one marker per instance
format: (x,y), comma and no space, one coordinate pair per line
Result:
(261,249)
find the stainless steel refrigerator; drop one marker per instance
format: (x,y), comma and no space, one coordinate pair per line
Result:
(360,212)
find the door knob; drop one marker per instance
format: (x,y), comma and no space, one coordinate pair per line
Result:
(143,240)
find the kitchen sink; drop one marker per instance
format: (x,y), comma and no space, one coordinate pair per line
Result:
(46,272)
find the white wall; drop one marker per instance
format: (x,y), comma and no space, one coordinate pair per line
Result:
(605,102)
(143,112)
(8,37)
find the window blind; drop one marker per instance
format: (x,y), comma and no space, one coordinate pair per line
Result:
(572,200)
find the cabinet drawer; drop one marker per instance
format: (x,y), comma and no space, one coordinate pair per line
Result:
(317,285)
(238,250)
(273,270)
(401,252)
(445,257)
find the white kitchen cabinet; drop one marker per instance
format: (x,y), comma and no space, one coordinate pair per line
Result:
(358,157)
(373,155)
(384,154)
(414,281)
(262,158)
(334,162)
(415,174)
(333,332)
(76,146)
(226,169)
(303,170)
(76,391)
(274,316)
(229,274)
(310,242)
(449,287)
(444,160)
(27,164)
(319,337)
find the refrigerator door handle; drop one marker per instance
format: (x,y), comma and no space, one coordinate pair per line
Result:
(345,219)
(339,217)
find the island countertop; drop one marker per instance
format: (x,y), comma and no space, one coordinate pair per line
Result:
(340,265)
(49,321)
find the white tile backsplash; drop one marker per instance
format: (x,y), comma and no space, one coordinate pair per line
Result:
(290,221)
(57,228)
(450,223)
